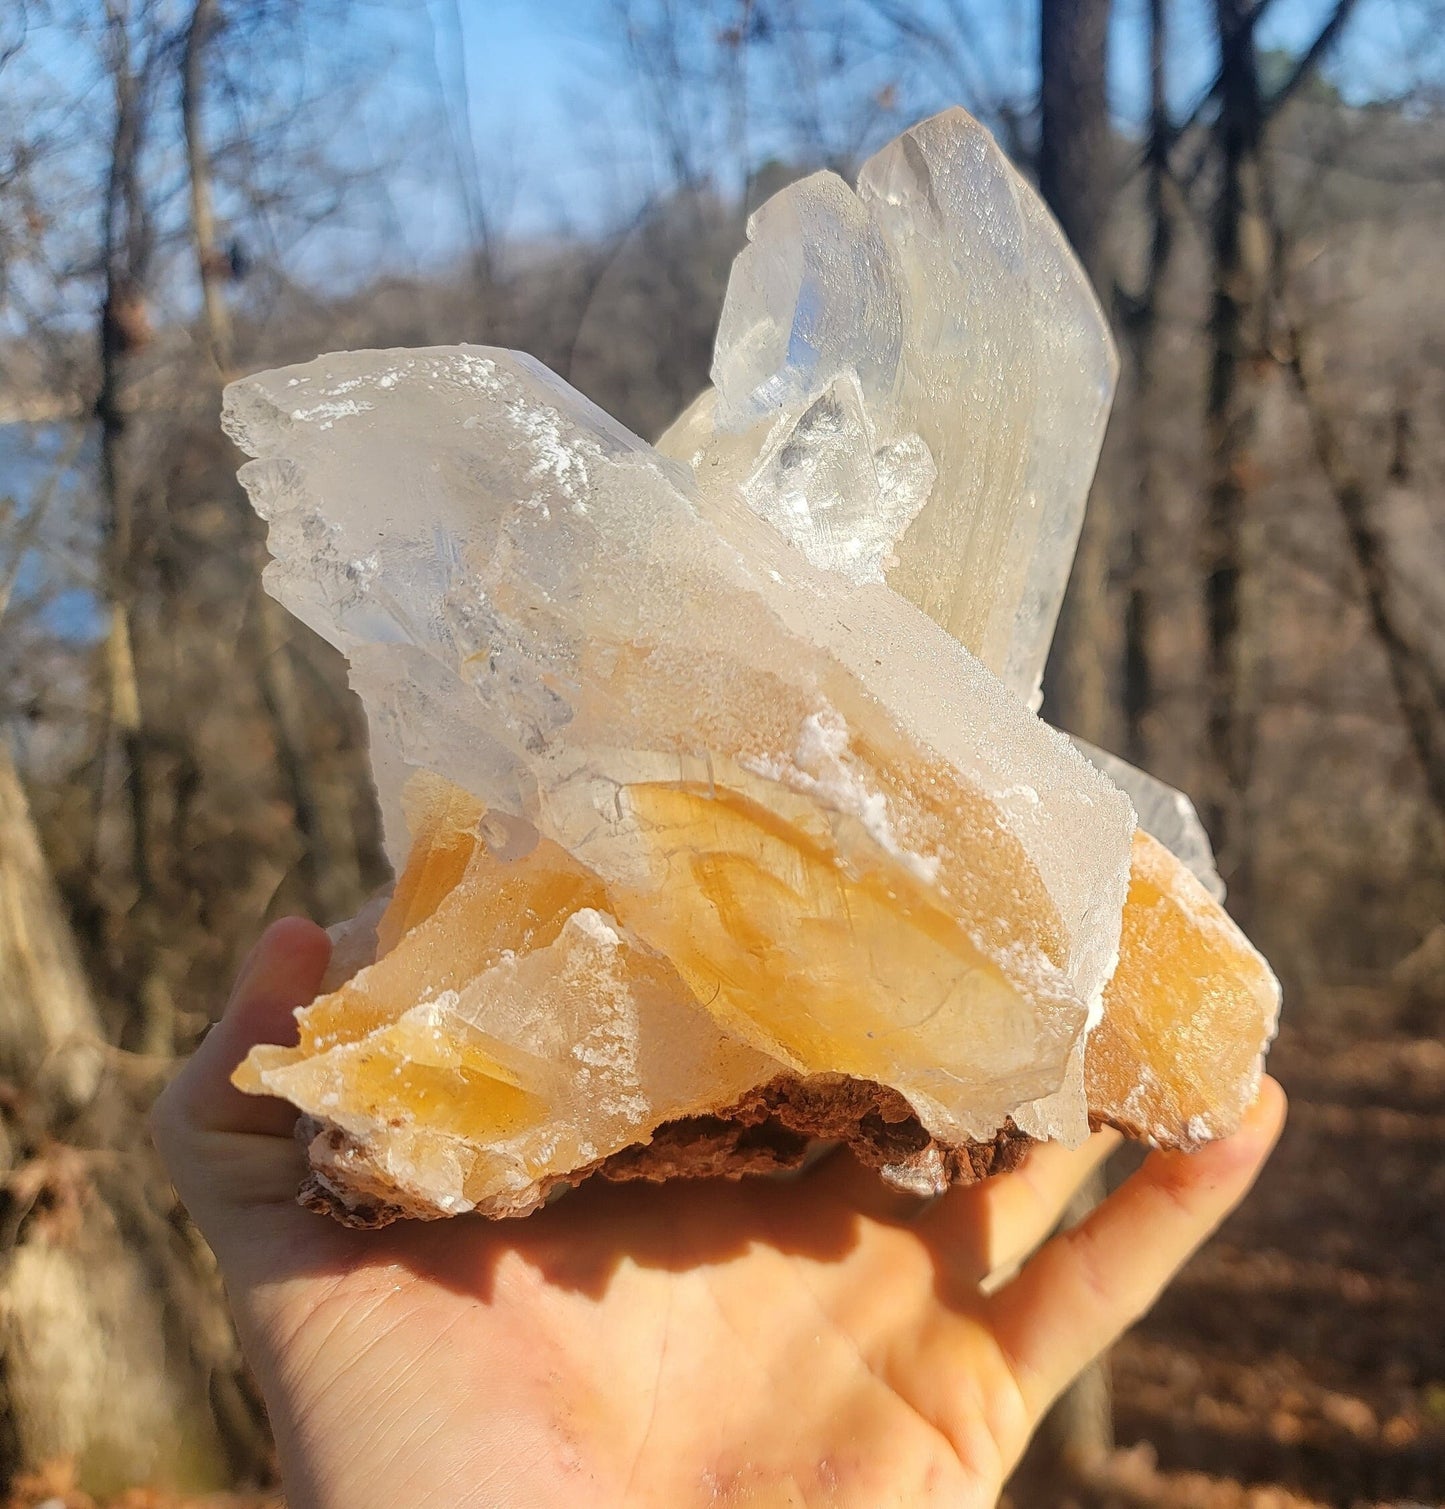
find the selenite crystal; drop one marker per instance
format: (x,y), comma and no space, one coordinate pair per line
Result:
(932,340)
(1177,1056)
(720,814)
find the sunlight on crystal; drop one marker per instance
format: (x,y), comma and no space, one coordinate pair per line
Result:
(713,766)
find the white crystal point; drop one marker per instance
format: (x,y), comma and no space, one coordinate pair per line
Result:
(1001,375)
(542,610)
(1165,813)
(831,486)
(814,293)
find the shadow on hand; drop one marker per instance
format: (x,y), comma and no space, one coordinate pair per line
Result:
(579,1241)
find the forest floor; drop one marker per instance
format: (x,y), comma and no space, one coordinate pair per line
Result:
(1299,1361)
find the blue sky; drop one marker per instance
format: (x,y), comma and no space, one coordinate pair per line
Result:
(551,97)
(550,116)
(555,121)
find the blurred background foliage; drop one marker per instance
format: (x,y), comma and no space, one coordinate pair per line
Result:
(192,189)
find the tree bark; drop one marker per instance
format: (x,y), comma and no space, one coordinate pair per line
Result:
(1143,330)
(328,866)
(1244,242)
(1239,250)
(1418,684)
(1075,171)
(110,1336)
(209,259)
(96,1367)
(1076,178)
(50,1030)
(126,256)
(128,244)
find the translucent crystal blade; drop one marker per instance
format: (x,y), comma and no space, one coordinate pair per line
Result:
(815,293)
(858,849)
(1164,813)
(946,297)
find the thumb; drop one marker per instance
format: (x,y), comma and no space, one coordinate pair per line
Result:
(213,1138)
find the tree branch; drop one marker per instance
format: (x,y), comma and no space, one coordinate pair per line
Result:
(1311,58)
(1419,686)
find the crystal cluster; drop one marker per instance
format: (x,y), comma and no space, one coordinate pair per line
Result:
(912,382)
(720,811)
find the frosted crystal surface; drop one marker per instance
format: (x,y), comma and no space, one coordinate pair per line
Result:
(544,611)
(940,315)
(709,771)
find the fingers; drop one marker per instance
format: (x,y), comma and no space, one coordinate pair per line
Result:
(981,1228)
(1087,1285)
(283,972)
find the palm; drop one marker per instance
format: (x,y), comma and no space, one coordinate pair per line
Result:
(757,1336)
(816,1340)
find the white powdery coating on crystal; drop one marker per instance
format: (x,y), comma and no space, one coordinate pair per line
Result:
(596,926)
(328,413)
(818,769)
(490,618)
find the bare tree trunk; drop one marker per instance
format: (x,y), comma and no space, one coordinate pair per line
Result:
(1143,331)
(1239,250)
(93,1373)
(49,1028)
(109,1335)
(128,244)
(1076,179)
(1243,237)
(1419,685)
(328,861)
(126,252)
(329,868)
(209,259)
(1075,173)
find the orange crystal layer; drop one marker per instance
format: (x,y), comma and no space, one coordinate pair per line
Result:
(784,946)
(798,953)
(1187,1015)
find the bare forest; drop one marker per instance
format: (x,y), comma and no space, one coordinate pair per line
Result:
(1257,613)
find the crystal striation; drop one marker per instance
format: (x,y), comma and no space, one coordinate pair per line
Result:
(720,813)
(911,382)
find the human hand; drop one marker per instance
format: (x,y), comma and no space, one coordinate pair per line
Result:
(819,1340)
